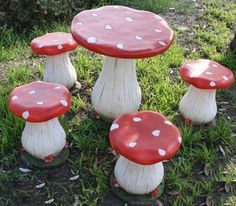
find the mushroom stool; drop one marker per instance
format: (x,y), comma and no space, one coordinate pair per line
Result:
(121,34)
(143,140)
(198,105)
(58,68)
(43,138)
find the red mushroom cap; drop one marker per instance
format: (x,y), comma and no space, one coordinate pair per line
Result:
(144,137)
(39,101)
(206,74)
(119,31)
(53,43)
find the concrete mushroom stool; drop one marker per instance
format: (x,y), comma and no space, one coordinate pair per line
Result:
(121,34)
(58,67)
(40,104)
(198,105)
(143,140)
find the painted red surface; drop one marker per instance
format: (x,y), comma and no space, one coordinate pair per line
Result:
(119,31)
(39,101)
(53,43)
(144,137)
(206,74)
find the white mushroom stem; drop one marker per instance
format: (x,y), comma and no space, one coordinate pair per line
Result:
(116,91)
(199,105)
(59,69)
(44,138)
(136,178)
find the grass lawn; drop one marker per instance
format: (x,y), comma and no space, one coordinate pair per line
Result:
(203,172)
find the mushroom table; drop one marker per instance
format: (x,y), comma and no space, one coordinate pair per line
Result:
(58,67)
(143,140)
(198,105)
(43,138)
(121,34)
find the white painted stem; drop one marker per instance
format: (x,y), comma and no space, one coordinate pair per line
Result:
(138,179)
(44,138)
(116,91)
(59,69)
(199,105)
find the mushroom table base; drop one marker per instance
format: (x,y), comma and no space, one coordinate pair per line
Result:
(117,90)
(59,69)
(133,199)
(198,106)
(31,161)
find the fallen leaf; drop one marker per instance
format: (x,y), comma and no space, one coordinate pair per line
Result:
(207,169)
(209,201)
(47,202)
(222,150)
(25,170)
(76,202)
(74,177)
(227,187)
(159,203)
(174,192)
(40,185)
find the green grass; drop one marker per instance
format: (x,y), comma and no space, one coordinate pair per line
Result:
(197,172)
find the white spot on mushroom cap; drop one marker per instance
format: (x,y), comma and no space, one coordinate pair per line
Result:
(94,14)
(32,92)
(162,152)
(14,97)
(70,40)
(156,133)
(158,17)
(108,27)
(91,39)
(138,37)
(209,73)
(214,65)
(25,115)
(189,65)
(40,46)
(180,139)
(64,102)
(40,103)
(137,119)
(168,122)
(212,84)
(79,23)
(114,126)
(60,46)
(162,43)
(132,144)
(55,40)
(120,46)
(158,30)
(116,7)
(225,78)
(129,19)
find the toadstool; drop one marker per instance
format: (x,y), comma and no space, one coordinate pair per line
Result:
(198,105)
(143,140)
(121,34)
(58,67)
(40,104)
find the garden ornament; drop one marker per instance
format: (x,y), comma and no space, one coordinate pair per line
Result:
(58,67)
(121,34)
(198,105)
(40,104)
(143,140)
